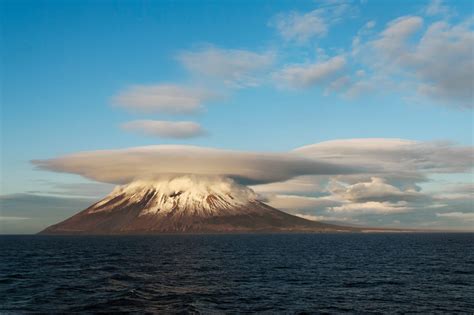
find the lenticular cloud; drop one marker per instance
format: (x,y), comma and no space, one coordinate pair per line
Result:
(371,157)
(150,162)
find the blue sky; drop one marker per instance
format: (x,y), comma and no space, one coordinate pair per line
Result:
(267,76)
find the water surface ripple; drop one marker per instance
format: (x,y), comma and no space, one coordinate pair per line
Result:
(334,273)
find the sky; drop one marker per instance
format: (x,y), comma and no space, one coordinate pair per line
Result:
(361,111)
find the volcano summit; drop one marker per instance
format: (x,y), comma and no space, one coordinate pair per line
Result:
(184,204)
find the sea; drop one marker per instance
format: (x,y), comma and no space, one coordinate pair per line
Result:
(248,273)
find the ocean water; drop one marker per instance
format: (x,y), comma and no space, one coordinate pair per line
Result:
(334,273)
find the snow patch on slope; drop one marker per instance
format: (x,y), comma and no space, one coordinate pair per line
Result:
(186,194)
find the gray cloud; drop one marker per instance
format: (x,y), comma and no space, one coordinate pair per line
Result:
(163,98)
(165,129)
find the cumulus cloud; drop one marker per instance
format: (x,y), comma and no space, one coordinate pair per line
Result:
(373,196)
(125,165)
(306,75)
(232,66)
(163,98)
(377,189)
(165,129)
(392,186)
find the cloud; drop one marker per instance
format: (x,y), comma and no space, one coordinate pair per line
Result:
(238,68)
(86,190)
(393,39)
(7,218)
(377,189)
(373,207)
(361,179)
(374,196)
(163,98)
(394,155)
(307,75)
(436,64)
(165,129)
(295,202)
(326,218)
(301,27)
(305,184)
(125,165)
(28,213)
(436,7)
(391,186)
(452,192)
(457,215)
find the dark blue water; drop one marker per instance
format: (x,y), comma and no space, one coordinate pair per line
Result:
(239,273)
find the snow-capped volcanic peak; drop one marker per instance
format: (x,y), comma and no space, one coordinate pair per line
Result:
(186,195)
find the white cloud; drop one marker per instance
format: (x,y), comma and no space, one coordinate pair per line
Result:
(436,7)
(457,215)
(163,98)
(307,75)
(126,165)
(377,189)
(393,40)
(326,218)
(373,207)
(436,64)
(232,66)
(165,129)
(301,27)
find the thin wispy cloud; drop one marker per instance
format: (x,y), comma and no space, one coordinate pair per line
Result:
(457,215)
(234,67)
(437,7)
(165,129)
(300,27)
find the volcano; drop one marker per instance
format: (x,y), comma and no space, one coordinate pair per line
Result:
(184,204)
